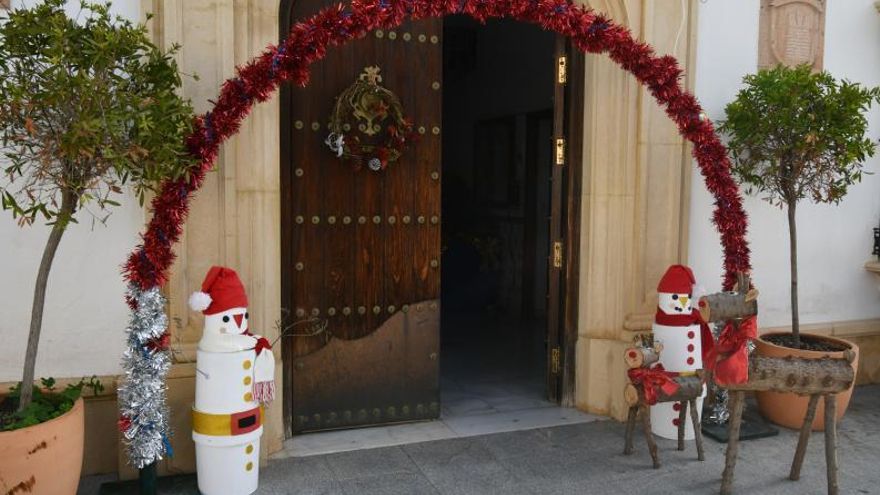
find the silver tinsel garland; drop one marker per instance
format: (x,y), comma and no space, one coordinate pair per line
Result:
(142,403)
(719,413)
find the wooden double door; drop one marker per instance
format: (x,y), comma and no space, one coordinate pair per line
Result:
(361,250)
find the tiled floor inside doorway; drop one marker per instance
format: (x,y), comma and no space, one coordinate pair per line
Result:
(492,381)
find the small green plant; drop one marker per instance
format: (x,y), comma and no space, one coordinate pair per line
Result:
(46,403)
(795,135)
(88,106)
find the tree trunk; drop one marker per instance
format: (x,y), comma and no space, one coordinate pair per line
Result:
(68,206)
(792,234)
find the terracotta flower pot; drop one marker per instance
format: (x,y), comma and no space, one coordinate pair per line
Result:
(44,458)
(788,410)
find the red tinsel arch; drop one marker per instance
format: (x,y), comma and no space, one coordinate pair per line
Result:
(308,41)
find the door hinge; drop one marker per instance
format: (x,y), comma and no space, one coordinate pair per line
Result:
(554,360)
(561,70)
(560,151)
(557,254)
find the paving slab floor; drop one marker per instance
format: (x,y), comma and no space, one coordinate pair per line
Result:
(584,458)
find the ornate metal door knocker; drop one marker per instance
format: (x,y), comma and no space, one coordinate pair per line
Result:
(367,126)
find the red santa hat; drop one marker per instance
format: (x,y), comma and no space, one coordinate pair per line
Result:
(678,279)
(221,291)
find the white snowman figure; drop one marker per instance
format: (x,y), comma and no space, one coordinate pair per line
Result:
(234,378)
(677,327)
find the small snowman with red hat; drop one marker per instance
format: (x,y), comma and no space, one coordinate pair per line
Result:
(235,373)
(684,337)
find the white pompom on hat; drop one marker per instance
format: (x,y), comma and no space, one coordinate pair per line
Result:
(199,301)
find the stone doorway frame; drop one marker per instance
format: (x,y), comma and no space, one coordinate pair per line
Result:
(572,110)
(634,194)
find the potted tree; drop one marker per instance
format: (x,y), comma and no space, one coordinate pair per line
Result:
(796,135)
(87,106)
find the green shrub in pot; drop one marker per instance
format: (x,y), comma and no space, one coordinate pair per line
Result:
(795,134)
(88,106)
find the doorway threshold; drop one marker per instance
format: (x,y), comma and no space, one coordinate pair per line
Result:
(448,426)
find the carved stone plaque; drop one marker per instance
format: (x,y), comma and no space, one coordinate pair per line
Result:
(792,32)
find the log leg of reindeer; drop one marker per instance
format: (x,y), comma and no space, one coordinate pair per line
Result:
(803,439)
(737,401)
(831,442)
(698,431)
(630,430)
(645,412)
(682,415)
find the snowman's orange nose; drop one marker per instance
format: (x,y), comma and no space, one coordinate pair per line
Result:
(238,319)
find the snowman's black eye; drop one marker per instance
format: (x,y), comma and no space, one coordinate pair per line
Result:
(675,297)
(246,316)
(690,296)
(226,319)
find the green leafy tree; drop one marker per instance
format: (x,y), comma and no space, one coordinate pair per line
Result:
(87,106)
(795,135)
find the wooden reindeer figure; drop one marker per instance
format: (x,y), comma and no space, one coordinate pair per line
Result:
(733,369)
(651,384)
(814,377)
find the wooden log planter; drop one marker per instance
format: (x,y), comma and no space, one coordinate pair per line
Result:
(817,378)
(690,387)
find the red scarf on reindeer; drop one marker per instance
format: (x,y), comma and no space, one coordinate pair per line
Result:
(653,380)
(729,358)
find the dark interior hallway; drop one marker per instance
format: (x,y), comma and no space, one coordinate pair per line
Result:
(497,115)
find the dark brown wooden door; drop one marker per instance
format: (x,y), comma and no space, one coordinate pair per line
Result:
(361,249)
(556,260)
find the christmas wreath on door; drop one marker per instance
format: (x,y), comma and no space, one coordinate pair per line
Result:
(367,126)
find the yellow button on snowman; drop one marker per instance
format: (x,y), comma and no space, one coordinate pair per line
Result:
(235,372)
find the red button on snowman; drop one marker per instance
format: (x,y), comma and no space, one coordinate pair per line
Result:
(679,328)
(235,372)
